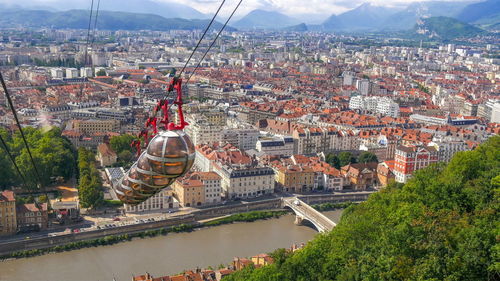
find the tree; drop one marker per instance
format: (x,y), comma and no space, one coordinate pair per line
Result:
(101,72)
(440,225)
(90,183)
(333,160)
(125,156)
(346,158)
(366,157)
(122,143)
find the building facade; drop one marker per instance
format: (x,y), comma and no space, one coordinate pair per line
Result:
(408,159)
(8,219)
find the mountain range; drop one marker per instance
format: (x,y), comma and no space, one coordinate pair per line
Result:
(78,19)
(260,19)
(164,9)
(169,15)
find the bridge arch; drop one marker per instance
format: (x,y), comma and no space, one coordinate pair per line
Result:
(304,212)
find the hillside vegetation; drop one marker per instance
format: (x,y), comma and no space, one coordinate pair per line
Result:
(442,225)
(449,28)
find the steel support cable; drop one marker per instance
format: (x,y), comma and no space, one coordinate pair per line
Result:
(213,42)
(201,38)
(95,24)
(6,148)
(12,108)
(210,47)
(87,42)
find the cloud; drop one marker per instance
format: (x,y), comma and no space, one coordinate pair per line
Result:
(290,7)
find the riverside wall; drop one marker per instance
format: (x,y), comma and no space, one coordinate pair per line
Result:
(193,218)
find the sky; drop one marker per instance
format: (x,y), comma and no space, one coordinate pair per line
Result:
(297,8)
(293,7)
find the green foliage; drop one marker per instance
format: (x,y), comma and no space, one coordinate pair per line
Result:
(333,160)
(52,153)
(90,185)
(113,203)
(101,72)
(246,217)
(122,143)
(450,28)
(366,157)
(346,158)
(332,206)
(442,225)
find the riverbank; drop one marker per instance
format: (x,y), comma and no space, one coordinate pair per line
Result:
(332,206)
(113,239)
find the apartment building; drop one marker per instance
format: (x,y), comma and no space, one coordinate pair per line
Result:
(203,132)
(95,126)
(408,159)
(8,219)
(294,178)
(283,146)
(32,215)
(190,191)
(161,201)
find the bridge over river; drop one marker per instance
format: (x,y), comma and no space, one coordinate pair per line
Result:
(305,212)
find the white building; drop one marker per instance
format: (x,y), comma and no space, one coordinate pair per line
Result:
(212,185)
(56,73)
(86,72)
(448,146)
(379,105)
(202,132)
(71,73)
(387,107)
(276,146)
(244,139)
(161,201)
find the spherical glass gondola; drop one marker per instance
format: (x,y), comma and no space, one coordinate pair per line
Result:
(171,153)
(126,194)
(148,176)
(138,185)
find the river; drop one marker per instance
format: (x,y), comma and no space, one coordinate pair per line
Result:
(163,255)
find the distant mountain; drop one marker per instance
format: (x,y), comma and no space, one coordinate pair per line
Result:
(445,28)
(164,9)
(297,28)
(407,18)
(260,19)
(78,19)
(332,23)
(487,12)
(365,17)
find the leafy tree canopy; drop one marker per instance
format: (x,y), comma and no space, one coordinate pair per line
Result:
(442,225)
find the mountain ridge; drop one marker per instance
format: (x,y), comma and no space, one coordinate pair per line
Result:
(109,20)
(261,19)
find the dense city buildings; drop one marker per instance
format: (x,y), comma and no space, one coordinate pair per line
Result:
(267,110)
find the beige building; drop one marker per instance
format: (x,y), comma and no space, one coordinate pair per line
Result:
(294,178)
(201,132)
(212,186)
(105,155)
(95,126)
(8,219)
(189,190)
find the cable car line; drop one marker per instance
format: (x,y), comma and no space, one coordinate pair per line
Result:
(95,24)
(87,43)
(12,108)
(213,42)
(6,148)
(201,38)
